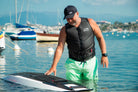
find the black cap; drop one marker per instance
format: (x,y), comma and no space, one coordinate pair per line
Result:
(69,11)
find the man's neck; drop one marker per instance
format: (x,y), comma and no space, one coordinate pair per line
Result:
(78,22)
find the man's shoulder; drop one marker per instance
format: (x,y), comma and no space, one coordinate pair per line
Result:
(91,21)
(63,28)
(86,19)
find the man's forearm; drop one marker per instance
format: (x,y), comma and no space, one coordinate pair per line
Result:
(102,45)
(57,56)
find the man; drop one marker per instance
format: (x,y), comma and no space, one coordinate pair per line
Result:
(79,34)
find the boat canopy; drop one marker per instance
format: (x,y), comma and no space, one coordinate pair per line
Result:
(22,26)
(27,33)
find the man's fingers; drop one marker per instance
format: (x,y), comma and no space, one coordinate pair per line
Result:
(55,73)
(50,71)
(103,64)
(46,73)
(107,65)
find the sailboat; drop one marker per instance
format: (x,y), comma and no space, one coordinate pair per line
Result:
(10,29)
(26,32)
(50,34)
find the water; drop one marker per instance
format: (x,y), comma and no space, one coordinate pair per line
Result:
(121,75)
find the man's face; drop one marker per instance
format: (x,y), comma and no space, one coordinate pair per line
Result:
(72,21)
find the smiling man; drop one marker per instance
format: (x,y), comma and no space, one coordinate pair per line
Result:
(79,34)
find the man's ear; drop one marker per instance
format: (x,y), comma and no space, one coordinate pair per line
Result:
(77,13)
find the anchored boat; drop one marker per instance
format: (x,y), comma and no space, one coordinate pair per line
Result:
(24,35)
(2,41)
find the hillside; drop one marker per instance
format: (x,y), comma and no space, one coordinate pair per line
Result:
(51,18)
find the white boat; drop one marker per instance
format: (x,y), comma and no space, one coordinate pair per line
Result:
(49,34)
(46,37)
(2,41)
(10,29)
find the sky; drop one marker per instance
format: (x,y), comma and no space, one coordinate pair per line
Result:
(116,7)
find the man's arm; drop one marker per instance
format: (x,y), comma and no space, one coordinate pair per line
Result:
(58,52)
(99,36)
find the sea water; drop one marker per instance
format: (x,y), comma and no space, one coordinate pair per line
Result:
(121,75)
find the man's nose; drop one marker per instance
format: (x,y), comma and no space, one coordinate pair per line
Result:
(69,19)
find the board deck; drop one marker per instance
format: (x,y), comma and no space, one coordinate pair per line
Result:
(49,82)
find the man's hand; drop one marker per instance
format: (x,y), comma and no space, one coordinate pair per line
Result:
(104,61)
(50,71)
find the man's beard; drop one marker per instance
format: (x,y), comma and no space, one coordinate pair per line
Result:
(74,24)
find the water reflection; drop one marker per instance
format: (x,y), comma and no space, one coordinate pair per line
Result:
(50,51)
(45,48)
(91,84)
(2,66)
(17,53)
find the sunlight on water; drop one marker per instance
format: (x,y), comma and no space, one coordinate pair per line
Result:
(121,75)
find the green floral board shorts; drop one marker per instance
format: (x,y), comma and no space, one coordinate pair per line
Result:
(76,70)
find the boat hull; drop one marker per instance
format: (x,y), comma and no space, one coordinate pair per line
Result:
(44,37)
(2,41)
(23,37)
(1,49)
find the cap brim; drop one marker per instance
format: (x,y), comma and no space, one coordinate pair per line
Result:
(69,16)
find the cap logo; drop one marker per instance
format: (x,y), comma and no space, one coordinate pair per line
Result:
(70,13)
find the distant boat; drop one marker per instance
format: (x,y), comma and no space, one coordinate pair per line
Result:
(10,29)
(24,35)
(49,34)
(46,37)
(2,41)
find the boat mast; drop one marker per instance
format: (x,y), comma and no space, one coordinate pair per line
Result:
(59,19)
(16,9)
(20,12)
(27,10)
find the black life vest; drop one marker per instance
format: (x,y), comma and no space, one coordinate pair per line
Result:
(80,41)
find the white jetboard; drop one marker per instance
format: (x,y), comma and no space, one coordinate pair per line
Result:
(49,82)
